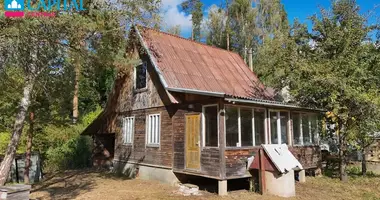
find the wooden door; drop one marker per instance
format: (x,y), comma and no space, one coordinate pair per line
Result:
(193,124)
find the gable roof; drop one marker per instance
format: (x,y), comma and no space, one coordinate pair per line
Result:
(184,65)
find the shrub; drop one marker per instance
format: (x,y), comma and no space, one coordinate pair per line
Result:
(73,154)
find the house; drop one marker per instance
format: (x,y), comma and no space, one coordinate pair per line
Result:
(186,108)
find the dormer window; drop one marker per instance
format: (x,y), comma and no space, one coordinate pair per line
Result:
(140,76)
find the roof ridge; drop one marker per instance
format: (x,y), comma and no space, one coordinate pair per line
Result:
(194,41)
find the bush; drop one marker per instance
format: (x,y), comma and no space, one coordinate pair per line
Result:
(73,154)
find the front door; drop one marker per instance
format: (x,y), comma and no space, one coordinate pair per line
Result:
(193,123)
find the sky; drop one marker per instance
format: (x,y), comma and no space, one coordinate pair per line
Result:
(301,9)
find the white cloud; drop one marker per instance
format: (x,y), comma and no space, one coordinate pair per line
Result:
(172,16)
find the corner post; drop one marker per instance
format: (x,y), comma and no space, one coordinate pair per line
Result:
(222,183)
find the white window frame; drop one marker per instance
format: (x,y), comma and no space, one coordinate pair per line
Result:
(146,76)
(204,124)
(300,138)
(126,126)
(279,139)
(156,132)
(253,125)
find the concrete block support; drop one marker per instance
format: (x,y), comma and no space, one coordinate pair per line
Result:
(282,185)
(302,176)
(132,170)
(222,188)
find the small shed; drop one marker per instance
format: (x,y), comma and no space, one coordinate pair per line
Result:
(16,174)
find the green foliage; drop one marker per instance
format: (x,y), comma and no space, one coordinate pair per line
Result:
(195,8)
(4,140)
(64,146)
(73,154)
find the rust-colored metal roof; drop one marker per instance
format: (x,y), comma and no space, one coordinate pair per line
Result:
(190,65)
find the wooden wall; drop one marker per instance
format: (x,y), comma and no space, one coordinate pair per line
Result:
(309,156)
(138,152)
(236,159)
(210,162)
(150,97)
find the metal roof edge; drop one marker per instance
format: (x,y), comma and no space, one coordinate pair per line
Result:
(270,103)
(193,91)
(158,71)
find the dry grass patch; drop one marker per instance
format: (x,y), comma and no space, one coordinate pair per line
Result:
(89,184)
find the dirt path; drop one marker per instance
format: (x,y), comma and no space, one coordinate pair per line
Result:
(93,185)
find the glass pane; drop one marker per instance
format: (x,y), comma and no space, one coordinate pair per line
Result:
(284,116)
(296,128)
(211,126)
(273,127)
(140,76)
(306,130)
(154,129)
(314,129)
(259,127)
(232,131)
(246,126)
(127,130)
(158,129)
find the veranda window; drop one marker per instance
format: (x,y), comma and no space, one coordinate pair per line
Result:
(244,126)
(279,127)
(305,128)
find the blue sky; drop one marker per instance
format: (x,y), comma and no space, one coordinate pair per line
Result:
(300,9)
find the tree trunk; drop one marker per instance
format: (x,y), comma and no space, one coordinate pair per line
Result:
(364,163)
(29,148)
(17,130)
(342,166)
(227,27)
(76,91)
(342,156)
(192,32)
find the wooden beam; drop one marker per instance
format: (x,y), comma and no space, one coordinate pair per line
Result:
(222,142)
(262,172)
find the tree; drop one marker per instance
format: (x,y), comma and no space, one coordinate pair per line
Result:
(334,73)
(39,47)
(242,26)
(34,49)
(216,25)
(194,7)
(175,30)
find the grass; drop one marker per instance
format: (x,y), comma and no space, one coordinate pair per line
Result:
(89,184)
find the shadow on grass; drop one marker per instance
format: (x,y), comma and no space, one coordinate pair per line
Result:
(65,185)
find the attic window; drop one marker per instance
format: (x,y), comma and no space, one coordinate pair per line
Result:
(140,76)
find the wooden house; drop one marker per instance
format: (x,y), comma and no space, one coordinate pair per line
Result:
(186,108)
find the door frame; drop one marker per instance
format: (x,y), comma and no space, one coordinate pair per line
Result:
(199,143)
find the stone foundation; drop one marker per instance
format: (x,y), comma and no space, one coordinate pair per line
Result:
(133,170)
